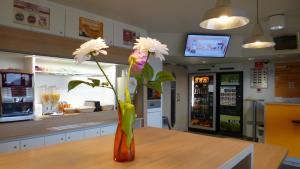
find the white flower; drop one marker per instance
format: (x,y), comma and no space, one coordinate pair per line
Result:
(152,46)
(91,47)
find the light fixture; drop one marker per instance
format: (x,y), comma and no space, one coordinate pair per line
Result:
(223,17)
(258,39)
(277,22)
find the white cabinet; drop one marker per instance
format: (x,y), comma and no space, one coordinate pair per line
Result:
(119,30)
(7,15)
(9,146)
(154,118)
(26,144)
(74,136)
(138,124)
(90,133)
(108,130)
(55,139)
(72,24)
(57,16)
(32,143)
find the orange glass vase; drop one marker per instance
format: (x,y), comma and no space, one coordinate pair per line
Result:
(122,153)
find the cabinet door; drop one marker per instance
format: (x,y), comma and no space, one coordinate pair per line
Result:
(9,146)
(90,133)
(119,29)
(154,119)
(55,139)
(72,24)
(57,18)
(7,15)
(138,124)
(32,143)
(74,136)
(108,130)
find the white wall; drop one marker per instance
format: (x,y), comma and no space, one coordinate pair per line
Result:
(11,60)
(79,95)
(181,97)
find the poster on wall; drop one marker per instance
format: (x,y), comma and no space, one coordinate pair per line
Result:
(90,28)
(30,14)
(129,37)
(230,123)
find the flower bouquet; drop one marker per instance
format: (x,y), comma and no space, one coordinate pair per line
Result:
(141,70)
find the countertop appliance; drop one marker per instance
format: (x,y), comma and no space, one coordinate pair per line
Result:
(17,96)
(95,104)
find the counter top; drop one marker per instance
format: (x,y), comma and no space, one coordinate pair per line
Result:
(155,149)
(283,103)
(16,130)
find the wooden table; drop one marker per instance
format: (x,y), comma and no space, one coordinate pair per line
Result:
(155,149)
(268,156)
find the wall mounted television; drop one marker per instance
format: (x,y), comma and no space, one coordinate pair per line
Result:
(206,45)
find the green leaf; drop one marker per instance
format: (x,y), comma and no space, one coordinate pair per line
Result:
(163,76)
(74,83)
(156,85)
(128,119)
(139,79)
(148,72)
(96,82)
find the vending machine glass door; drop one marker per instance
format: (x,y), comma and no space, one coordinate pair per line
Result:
(202,102)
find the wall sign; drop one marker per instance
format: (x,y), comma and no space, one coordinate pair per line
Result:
(90,28)
(259,78)
(30,14)
(129,37)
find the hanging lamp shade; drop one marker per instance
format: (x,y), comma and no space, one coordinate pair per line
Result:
(223,17)
(258,39)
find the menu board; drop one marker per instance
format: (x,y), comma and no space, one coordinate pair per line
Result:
(30,14)
(287,79)
(90,28)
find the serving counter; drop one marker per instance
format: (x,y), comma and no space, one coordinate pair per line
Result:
(282,126)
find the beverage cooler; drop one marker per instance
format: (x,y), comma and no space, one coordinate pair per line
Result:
(202,108)
(230,103)
(216,103)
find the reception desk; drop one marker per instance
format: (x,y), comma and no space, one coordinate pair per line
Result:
(282,126)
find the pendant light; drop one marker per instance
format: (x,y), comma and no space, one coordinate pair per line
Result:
(258,39)
(223,17)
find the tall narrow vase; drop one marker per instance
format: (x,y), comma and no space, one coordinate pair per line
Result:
(122,153)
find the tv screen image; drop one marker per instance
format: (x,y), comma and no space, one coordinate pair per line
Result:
(206,45)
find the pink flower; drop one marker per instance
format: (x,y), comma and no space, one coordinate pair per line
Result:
(139,59)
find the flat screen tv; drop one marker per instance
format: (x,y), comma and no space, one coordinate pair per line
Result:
(202,45)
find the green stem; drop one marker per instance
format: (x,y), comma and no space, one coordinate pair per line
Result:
(112,87)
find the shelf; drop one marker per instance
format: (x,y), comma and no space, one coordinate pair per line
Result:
(69,74)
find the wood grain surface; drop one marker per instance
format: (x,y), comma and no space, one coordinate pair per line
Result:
(36,43)
(155,149)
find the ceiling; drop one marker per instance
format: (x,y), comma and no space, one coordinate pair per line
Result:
(181,17)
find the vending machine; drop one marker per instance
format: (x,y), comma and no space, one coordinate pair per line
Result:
(230,103)
(202,108)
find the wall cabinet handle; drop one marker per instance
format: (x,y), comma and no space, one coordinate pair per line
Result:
(296,122)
